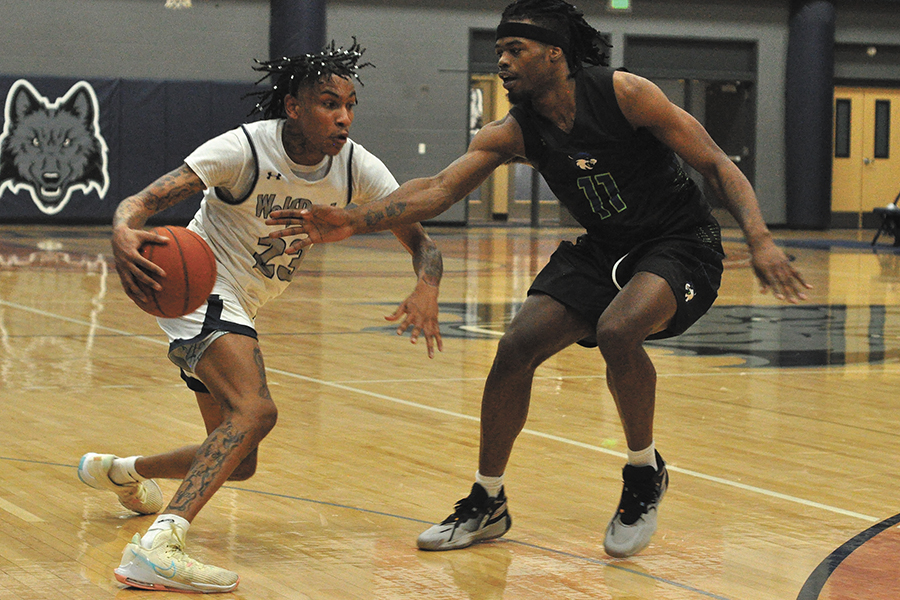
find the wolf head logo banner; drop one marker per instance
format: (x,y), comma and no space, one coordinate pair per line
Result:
(52,149)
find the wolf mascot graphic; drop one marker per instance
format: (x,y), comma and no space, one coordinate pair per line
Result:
(52,149)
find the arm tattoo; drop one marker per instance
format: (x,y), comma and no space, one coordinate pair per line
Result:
(429,264)
(395,209)
(128,209)
(374,218)
(167,191)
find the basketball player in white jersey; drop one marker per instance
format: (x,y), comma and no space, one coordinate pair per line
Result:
(299,155)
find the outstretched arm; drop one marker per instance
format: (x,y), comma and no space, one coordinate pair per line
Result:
(421,306)
(645,105)
(416,200)
(130,217)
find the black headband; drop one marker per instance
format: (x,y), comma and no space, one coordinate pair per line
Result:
(532,32)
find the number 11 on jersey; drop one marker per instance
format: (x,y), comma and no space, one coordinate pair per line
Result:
(601,191)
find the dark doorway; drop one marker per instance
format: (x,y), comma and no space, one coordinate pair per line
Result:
(730,120)
(713,80)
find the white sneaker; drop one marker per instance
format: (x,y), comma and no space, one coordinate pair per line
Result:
(165,567)
(476,518)
(145,497)
(630,529)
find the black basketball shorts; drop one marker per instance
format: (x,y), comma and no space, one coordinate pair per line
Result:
(586,277)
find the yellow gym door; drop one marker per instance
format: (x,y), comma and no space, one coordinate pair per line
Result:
(866,172)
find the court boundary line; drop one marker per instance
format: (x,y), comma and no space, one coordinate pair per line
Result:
(425,407)
(820,575)
(711,478)
(503,540)
(587,559)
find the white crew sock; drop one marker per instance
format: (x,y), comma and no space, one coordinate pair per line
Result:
(163,523)
(122,471)
(493,485)
(643,458)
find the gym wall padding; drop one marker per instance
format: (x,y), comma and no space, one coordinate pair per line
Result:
(148,127)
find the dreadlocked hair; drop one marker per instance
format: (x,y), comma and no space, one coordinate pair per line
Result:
(290,73)
(586,44)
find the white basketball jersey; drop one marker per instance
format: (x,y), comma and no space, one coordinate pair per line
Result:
(255,264)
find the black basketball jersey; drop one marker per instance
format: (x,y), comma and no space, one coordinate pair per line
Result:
(621,184)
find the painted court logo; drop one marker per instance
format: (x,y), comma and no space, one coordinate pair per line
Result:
(52,149)
(810,335)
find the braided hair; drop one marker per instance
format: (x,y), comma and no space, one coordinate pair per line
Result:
(290,73)
(586,44)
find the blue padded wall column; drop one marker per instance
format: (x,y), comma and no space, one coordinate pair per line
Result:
(296,27)
(808,113)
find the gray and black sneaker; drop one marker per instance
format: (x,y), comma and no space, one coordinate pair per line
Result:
(476,518)
(631,527)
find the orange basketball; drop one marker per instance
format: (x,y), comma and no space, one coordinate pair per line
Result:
(190,272)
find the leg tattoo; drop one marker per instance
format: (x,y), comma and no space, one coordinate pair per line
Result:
(211,456)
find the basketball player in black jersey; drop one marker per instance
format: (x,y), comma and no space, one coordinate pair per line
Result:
(648,266)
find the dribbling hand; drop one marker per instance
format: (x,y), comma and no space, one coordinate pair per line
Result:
(134,270)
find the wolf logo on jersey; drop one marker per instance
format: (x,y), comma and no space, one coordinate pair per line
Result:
(52,149)
(584,161)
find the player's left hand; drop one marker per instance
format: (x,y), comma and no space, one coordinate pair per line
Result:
(317,224)
(775,272)
(420,312)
